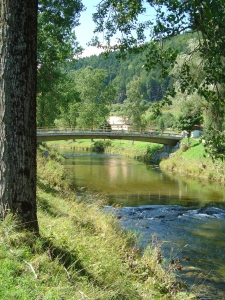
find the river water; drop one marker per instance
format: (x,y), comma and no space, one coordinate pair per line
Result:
(187,218)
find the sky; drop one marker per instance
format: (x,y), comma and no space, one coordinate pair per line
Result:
(84,32)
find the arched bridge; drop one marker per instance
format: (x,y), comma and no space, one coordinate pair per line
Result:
(146,136)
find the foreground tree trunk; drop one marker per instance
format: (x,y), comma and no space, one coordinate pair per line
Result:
(18,48)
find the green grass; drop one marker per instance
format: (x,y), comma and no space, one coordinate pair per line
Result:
(136,149)
(71,144)
(195,150)
(173,109)
(193,162)
(88,143)
(81,253)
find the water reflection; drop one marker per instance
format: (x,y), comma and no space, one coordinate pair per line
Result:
(131,183)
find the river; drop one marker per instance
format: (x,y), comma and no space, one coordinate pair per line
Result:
(186,217)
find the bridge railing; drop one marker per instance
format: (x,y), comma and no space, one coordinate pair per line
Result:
(57,130)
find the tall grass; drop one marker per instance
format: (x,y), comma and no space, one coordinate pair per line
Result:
(81,253)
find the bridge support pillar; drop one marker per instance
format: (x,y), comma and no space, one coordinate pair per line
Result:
(167,148)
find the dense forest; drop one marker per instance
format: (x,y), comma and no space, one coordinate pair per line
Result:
(121,72)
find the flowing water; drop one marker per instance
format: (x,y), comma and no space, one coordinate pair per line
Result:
(187,217)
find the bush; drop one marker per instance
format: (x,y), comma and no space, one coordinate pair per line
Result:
(99,146)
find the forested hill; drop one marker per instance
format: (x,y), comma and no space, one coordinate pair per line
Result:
(123,71)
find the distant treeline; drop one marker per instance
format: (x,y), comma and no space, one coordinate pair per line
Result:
(121,72)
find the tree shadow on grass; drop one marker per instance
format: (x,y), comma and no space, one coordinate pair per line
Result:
(46,205)
(46,188)
(50,209)
(195,144)
(75,269)
(69,260)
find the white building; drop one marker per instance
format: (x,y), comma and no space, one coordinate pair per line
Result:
(118,123)
(196,132)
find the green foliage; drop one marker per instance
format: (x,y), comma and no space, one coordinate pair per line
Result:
(206,18)
(188,119)
(121,72)
(100,146)
(59,102)
(215,145)
(152,120)
(134,107)
(105,126)
(163,121)
(161,124)
(67,116)
(191,115)
(96,97)
(169,120)
(56,45)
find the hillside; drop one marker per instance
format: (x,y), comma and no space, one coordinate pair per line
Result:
(121,72)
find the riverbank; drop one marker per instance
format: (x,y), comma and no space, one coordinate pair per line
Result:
(82,252)
(187,161)
(192,162)
(133,149)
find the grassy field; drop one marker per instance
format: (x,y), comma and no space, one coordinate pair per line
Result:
(81,253)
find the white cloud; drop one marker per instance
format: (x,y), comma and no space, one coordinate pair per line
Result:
(91,51)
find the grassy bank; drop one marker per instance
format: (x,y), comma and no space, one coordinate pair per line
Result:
(193,162)
(138,150)
(82,253)
(187,161)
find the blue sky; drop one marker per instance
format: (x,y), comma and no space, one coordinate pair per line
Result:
(84,32)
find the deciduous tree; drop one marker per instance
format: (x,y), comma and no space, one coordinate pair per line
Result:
(18,46)
(134,107)
(95,95)
(56,46)
(191,115)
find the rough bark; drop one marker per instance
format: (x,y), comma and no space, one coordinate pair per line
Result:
(18,48)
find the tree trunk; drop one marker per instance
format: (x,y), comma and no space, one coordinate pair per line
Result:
(18,48)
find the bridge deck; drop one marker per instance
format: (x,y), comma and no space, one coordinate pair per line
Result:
(155,137)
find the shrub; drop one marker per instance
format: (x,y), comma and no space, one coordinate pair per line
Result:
(99,146)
